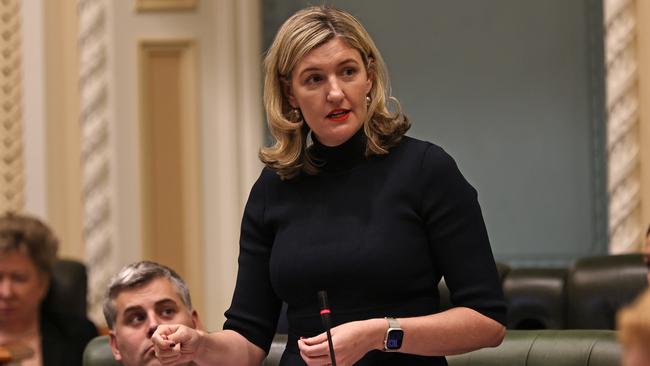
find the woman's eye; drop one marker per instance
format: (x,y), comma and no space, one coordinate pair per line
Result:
(20,278)
(312,79)
(349,71)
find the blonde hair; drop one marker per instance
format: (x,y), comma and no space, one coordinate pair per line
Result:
(633,322)
(305,30)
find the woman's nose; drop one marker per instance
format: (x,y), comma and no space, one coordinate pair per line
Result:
(334,94)
(6,288)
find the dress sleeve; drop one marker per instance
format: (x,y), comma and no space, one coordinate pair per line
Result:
(459,242)
(255,307)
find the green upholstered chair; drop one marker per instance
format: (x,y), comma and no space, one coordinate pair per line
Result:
(547,348)
(98,353)
(536,298)
(597,287)
(519,348)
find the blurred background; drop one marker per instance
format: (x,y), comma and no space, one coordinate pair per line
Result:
(132,126)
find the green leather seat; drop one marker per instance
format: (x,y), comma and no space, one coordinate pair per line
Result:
(519,348)
(547,348)
(597,287)
(98,353)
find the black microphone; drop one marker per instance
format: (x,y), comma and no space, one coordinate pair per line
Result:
(325,317)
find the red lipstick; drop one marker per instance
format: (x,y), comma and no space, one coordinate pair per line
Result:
(338,115)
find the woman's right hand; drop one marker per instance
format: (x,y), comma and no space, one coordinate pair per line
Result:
(176,344)
(351,342)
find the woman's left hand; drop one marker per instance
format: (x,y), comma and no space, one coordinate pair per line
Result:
(351,342)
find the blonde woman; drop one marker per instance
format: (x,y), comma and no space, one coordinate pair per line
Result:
(350,205)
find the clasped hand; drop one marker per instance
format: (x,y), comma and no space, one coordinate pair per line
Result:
(175,344)
(351,342)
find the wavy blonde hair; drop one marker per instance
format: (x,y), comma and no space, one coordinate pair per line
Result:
(305,30)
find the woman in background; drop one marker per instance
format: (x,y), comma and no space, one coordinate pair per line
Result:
(348,204)
(27,255)
(634,331)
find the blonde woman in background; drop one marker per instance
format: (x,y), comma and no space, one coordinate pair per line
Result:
(634,331)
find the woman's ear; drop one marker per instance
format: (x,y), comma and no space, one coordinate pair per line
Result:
(370,74)
(44,282)
(288,92)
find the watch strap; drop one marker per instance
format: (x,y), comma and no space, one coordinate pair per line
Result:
(393,325)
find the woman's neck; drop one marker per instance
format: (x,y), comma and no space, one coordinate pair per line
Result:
(19,330)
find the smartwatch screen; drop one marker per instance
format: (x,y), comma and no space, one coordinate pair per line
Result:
(394,339)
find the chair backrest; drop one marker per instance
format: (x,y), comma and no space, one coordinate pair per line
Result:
(536,298)
(98,353)
(547,347)
(598,287)
(66,298)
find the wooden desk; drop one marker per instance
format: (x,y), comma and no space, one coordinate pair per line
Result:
(14,352)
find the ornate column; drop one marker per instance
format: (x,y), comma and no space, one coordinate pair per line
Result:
(95,159)
(12,196)
(625,229)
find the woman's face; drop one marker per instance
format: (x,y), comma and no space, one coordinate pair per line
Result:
(636,355)
(22,287)
(329,85)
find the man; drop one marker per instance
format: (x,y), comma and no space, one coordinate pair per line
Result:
(140,297)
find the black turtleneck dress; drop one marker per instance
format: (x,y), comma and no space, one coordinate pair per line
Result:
(376,233)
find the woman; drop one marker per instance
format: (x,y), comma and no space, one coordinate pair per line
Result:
(27,255)
(634,331)
(373,217)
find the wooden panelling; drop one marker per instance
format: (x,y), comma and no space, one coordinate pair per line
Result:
(165,5)
(63,150)
(170,158)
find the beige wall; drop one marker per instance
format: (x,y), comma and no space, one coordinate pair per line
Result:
(643,49)
(63,145)
(227,100)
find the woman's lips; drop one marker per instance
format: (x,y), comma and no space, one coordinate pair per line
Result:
(338,115)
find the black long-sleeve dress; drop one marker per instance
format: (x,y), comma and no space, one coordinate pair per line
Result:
(376,233)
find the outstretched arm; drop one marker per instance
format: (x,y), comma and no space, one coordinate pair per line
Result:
(178,344)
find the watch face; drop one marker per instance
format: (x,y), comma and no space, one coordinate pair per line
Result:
(394,339)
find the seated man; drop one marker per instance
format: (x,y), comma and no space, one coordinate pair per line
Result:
(140,297)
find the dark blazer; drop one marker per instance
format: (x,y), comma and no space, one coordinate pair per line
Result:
(63,343)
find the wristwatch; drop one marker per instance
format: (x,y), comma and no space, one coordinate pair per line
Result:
(394,336)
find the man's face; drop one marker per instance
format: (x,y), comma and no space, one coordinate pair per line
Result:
(139,312)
